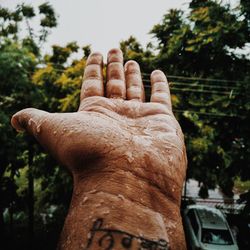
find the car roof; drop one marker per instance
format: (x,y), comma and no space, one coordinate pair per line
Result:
(210,217)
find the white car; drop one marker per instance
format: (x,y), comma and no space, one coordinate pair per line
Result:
(207,229)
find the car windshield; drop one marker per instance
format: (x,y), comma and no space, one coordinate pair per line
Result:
(216,236)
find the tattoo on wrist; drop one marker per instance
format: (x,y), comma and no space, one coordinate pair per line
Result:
(107,239)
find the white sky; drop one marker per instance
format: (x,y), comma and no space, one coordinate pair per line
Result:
(103,23)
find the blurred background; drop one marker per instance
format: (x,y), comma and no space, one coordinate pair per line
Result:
(202,46)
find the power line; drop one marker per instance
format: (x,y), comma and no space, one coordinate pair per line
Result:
(203,91)
(199,85)
(190,90)
(194,90)
(177,77)
(198,78)
(199,91)
(203,85)
(170,76)
(208,113)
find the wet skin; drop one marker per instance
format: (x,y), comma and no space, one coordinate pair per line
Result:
(127,157)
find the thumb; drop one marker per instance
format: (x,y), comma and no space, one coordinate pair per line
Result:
(37,123)
(30,120)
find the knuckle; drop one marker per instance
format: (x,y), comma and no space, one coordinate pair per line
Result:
(92,71)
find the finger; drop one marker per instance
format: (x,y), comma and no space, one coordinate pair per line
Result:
(29,120)
(160,89)
(35,122)
(93,78)
(135,89)
(45,127)
(116,87)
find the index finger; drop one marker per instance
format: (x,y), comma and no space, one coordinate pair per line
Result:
(93,78)
(160,89)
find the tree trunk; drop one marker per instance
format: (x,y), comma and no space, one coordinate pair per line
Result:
(31,197)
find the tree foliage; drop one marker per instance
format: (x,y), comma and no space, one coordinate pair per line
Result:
(201,52)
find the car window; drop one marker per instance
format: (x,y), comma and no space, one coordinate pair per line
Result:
(216,236)
(193,221)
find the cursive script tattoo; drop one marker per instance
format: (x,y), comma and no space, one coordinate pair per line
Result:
(107,239)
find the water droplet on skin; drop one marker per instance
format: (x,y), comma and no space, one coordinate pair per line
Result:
(92,191)
(68,241)
(105,212)
(38,129)
(30,122)
(84,199)
(170,159)
(121,196)
(129,157)
(77,192)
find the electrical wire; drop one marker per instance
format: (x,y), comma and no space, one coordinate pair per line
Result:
(229,93)
(209,113)
(175,76)
(198,85)
(193,89)
(198,78)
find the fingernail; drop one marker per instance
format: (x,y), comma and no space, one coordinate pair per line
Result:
(16,124)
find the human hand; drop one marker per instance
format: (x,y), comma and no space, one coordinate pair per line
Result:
(115,130)
(118,126)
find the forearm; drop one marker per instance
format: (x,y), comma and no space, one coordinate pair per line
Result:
(110,206)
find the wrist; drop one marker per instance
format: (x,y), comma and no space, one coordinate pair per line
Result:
(95,210)
(140,183)
(116,198)
(127,186)
(97,214)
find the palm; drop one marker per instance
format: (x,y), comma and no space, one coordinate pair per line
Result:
(105,131)
(121,120)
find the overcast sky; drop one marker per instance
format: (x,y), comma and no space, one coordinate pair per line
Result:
(104,23)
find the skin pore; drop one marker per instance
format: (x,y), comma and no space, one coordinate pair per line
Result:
(127,158)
